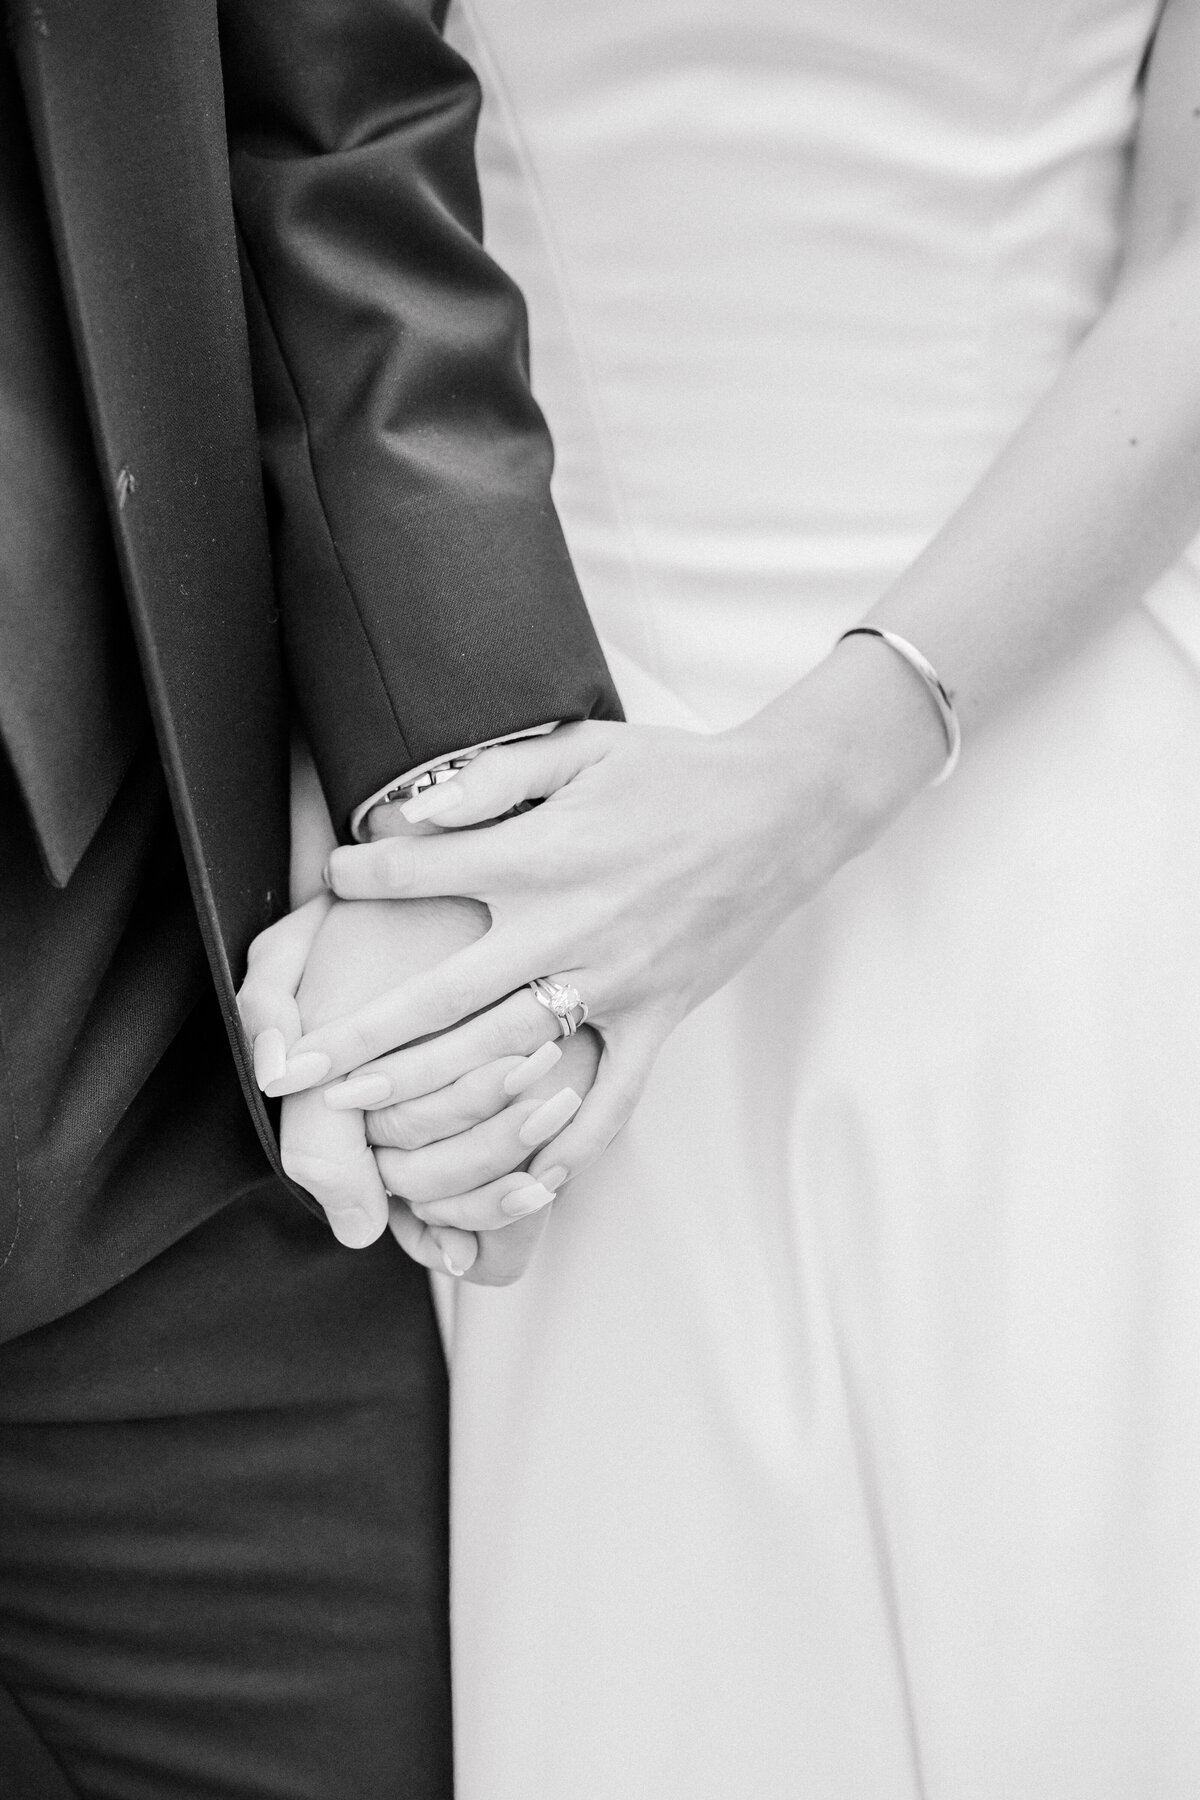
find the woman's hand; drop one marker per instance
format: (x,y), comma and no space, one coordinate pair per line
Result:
(457,1157)
(660,861)
(469,1139)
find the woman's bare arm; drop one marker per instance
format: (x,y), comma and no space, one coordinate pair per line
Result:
(661,860)
(1099,490)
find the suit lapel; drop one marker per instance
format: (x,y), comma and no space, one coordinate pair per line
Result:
(125,103)
(71,708)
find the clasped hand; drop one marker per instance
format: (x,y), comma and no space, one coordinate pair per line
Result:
(657,863)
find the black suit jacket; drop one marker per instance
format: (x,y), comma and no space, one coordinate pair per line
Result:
(351,407)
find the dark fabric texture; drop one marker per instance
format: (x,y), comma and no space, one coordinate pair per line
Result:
(121,1122)
(125,109)
(427,596)
(223,1563)
(222,1438)
(71,708)
(424,582)
(31,1771)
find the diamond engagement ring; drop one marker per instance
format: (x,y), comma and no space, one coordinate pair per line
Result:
(563,1001)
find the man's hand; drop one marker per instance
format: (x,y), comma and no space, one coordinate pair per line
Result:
(660,860)
(455,1153)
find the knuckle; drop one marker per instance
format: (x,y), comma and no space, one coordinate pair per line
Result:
(455,993)
(391,1167)
(400,1127)
(307,1171)
(261,943)
(254,987)
(417,1181)
(456,1215)
(459,1170)
(414,1072)
(395,864)
(355,1045)
(457,1117)
(256,990)
(500,1034)
(252,998)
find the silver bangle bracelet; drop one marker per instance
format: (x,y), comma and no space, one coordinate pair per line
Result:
(934,686)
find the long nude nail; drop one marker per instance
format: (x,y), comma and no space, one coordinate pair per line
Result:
(532,1069)
(359,1092)
(432,802)
(553,1178)
(524,1200)
(303,1071)
(270,1056)
(550,1116)
(456,1261)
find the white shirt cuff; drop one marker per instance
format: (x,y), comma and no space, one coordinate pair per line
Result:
(454,759)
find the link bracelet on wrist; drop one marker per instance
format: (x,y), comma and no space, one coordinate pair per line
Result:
(934,686)
(441,771)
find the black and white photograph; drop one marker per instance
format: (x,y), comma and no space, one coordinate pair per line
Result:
(600,900)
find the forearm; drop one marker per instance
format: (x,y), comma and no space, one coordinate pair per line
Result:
(1097,493)
(426,595)
(1094,497)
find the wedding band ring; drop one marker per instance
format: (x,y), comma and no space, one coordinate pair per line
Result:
(563,1001)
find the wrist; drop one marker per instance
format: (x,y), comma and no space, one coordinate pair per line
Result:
(862,732)
(378,815)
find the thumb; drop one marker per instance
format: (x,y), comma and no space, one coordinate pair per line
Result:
(434,1247)
(334,1162)
(267,998)
(500,779)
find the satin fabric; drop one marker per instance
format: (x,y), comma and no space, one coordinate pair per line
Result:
(845,1438)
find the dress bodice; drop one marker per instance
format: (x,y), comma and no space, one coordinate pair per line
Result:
(796,270)
(843,1438)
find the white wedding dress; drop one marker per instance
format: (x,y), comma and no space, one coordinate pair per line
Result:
(844,1441)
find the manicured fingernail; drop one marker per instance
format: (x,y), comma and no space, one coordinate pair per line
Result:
(532,1069)
(550,1116)
(327,877)
(432,802)
(303,1071)
(553,1178)
(270,1056)
(360,1091)
(458,1249)
(523,1200)
(354,1227)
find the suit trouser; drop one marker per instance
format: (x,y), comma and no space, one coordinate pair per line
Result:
(222,1527)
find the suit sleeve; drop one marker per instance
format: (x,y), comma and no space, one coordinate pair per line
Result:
(426,593)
